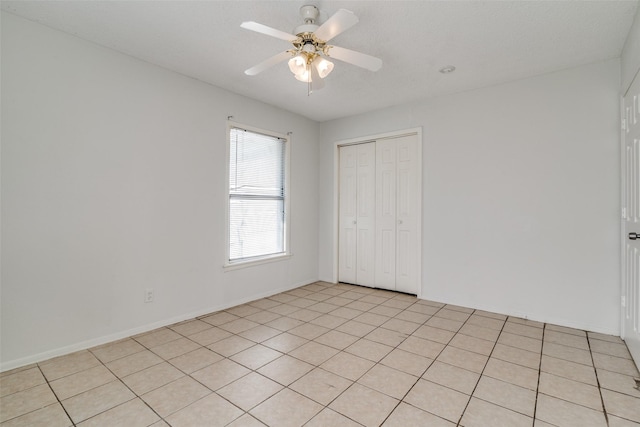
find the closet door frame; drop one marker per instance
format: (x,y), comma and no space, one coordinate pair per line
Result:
(336,202)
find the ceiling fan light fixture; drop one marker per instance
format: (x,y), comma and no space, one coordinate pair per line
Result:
(298,64)
(305,76)
(323,66)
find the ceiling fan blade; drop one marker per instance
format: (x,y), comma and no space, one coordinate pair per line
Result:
(268,63)
(340,21)
(356,58)
(263,29)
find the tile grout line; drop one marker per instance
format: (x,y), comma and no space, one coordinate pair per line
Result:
(244,412)
(340,351)
(483,369)
(427,368)
(343,351)
(283,354)
(148,348)
(55,394)
(604,411)
(375,364)
(535,406)
(125,384)
(224,357)
(204,385)
(604,408)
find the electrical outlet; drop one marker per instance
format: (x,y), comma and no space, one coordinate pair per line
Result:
(148,295)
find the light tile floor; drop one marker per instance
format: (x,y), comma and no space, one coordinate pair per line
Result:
(335,355)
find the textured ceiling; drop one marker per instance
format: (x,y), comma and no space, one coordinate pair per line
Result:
(489,42)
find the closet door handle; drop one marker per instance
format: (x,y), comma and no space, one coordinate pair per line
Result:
(634,236)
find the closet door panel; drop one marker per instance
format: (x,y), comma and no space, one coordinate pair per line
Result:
(385,244)
(347,231)
(366,214)
(408,215)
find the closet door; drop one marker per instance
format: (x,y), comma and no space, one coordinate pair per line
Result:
(407,214)
(347,216)
(386,214)
(397,214)
(357,214)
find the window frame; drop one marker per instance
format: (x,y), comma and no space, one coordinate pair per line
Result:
(261,259)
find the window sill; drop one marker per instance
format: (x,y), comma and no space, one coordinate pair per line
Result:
(244,264)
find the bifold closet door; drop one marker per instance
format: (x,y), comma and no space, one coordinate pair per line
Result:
(357,214)
(397,214)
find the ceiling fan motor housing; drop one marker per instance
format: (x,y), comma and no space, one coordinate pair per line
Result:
(309,15)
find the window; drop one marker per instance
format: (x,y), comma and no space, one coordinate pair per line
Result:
(257,227)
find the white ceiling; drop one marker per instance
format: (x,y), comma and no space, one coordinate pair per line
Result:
(489,42)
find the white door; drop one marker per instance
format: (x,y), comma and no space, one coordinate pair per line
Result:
(397,214)
(386,214)
(366,214)
(357,214)
(347,216)
(408,217)
(631,221)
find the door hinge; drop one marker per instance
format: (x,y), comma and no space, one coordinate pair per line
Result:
(624,213)
(623,301)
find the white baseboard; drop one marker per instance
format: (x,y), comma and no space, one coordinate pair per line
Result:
(17,363)
(536,317)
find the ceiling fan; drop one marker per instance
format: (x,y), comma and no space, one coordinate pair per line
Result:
(308,59)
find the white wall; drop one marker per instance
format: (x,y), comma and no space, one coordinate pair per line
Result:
(113,181)
(520,195)
(631,54)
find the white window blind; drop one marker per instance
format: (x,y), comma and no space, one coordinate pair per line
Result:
(256,195)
